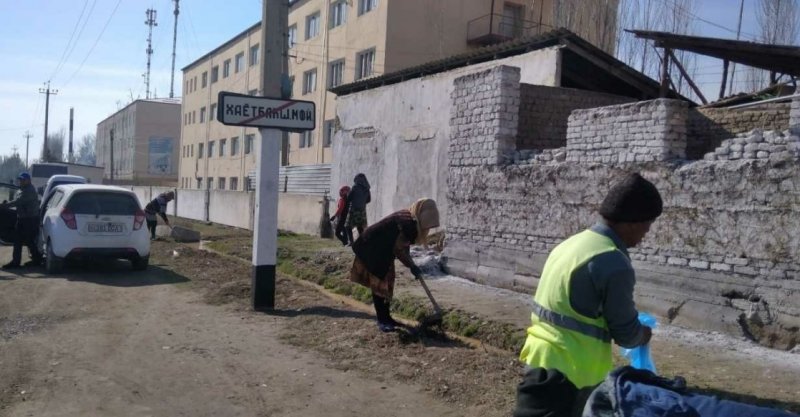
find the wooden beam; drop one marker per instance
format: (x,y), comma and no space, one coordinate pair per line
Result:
(686,75)
(617,72)
(664,73)
(724,79)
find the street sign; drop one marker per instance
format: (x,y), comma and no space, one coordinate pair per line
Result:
(253,111)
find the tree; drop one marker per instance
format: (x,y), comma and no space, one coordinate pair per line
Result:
(674,16)
(10,167)
(55,147)
(86,153)
(779,24)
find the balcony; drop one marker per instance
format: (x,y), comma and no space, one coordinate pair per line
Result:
(495,28)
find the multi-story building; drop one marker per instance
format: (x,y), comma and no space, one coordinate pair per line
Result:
(334,42)
(146,135)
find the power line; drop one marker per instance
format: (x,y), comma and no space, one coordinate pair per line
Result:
(95,43)
(69,42)
(717,25)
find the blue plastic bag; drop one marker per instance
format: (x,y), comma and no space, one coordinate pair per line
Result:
(640,356)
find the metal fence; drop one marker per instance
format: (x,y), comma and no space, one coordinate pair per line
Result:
(300,179)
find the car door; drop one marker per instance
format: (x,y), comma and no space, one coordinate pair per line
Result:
(8,216)
(50,202)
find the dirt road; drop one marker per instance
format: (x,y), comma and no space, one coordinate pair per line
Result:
(107,341)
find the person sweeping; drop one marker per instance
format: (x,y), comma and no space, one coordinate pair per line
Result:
(584,300)
(383,242)
(157,206)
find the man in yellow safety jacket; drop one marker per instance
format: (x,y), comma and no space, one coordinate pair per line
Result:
(584,300)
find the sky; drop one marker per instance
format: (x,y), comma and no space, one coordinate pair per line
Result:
(93,53)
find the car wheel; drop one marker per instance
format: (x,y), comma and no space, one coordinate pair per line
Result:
(53,264)
(140,264)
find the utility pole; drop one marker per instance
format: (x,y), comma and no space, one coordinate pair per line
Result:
(274,64)
(738,34)
(70,158)
(174,45)
(27,137)
(47,92)
(150,22)
(111,153)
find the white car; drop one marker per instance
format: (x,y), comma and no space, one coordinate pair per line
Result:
(93,221)
(57,180)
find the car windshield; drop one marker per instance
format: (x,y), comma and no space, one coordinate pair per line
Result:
(62,182)
(98,202)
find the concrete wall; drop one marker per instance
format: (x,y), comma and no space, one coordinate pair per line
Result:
(405,155)
(543,113)
(708,127)
(192,204)
(299,213)
(728,232)
(232,208)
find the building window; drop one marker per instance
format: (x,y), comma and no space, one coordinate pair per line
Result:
(291,85)
(248,184)
(254,55)
(328,133)
(226,68)
(199,183)
(310,81)
(202,114)
(194,83)
(214,74)
(204,79)
(312,26)
(221,183)
(239,64)
(210,149)
(338,14)
(212,114)
(199,151)
(248,143)
(234,183)
(364,63)
(234,146)
(365,6)
(336,73)
(292,35)
(307,139)
(194,116)
(191,150)
(209,182)
(186,86)
(222,144)
(253,92)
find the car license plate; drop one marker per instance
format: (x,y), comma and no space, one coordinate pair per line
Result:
(105,227)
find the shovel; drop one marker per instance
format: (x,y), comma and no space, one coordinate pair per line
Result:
(436,318)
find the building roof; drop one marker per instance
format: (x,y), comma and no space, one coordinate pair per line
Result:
(175,101)
(230,42)
(783,59)
(583,66)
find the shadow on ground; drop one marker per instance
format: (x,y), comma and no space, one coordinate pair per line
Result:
(791,406)
(114,274)
(319,311)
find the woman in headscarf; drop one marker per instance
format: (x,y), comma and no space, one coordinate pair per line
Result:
(358,198)
(378,247)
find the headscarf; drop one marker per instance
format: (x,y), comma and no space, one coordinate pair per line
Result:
(361,180)
(344,191)
(426,215)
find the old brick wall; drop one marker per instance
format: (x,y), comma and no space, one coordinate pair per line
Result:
(729,227)
(637,132)
(543,113)
(708,127)
(770,145)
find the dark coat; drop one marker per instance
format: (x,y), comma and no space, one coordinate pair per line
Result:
(375,248)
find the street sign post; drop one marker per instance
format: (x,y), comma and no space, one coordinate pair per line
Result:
(265,112)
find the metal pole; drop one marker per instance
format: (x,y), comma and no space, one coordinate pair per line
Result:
(738,34)
(265,238)
(47,92)
(174,45)
(71,158)
(111,140)
(28,137)
(150,22)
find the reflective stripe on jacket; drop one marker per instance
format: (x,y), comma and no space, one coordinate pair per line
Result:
(559,337)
